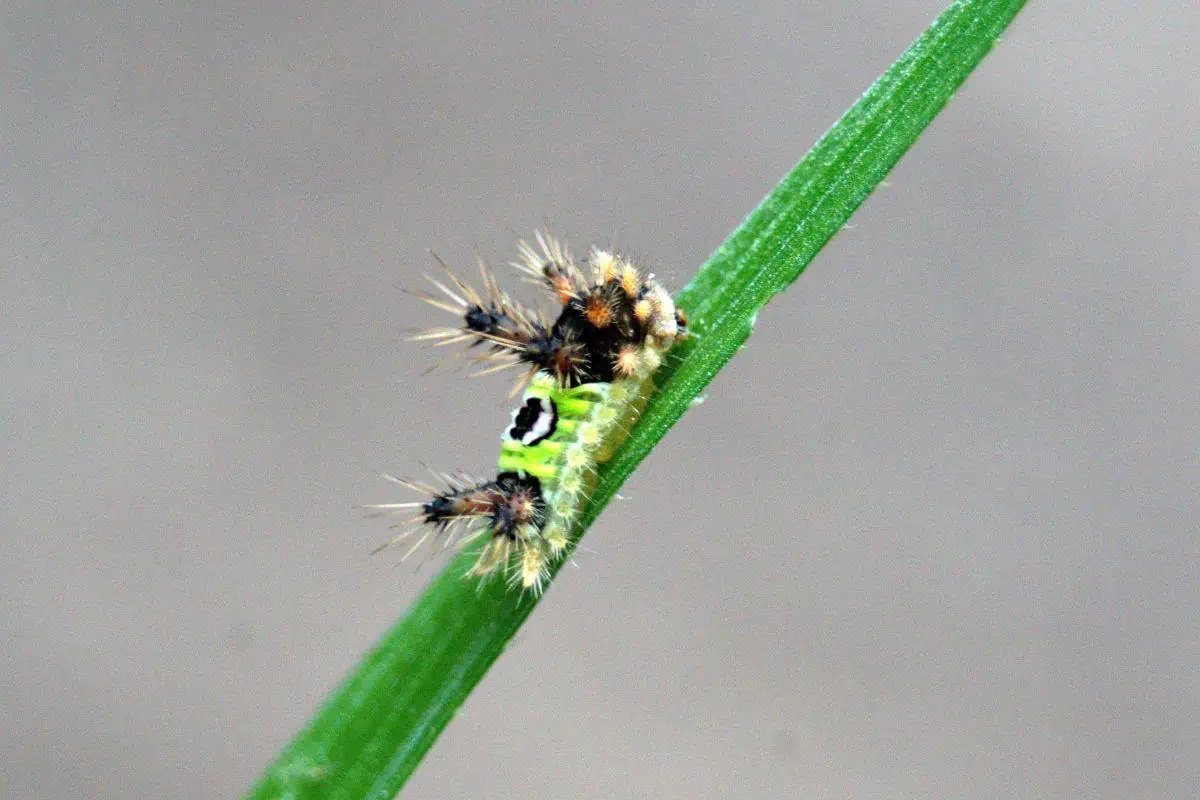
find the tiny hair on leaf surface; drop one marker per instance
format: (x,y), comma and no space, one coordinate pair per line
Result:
(371,733)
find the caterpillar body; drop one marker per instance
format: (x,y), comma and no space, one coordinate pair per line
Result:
(587,378)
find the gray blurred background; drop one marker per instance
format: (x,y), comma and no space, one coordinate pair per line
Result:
(933,533)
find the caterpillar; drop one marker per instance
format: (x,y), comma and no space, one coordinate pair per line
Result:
(587,376)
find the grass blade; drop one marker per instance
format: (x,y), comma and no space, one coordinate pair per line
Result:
(373,731)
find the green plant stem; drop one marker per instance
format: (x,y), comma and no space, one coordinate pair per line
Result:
(373,731)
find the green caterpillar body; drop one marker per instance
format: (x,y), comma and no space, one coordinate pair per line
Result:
(558,436)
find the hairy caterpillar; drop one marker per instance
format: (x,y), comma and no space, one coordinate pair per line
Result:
(587,375)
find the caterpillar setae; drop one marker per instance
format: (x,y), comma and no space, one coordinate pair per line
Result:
(587,377)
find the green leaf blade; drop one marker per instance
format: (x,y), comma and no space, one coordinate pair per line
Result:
(373,731)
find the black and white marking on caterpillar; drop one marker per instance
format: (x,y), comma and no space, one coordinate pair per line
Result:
(533,422)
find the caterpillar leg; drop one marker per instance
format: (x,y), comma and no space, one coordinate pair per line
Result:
(508,513)
(513,335)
